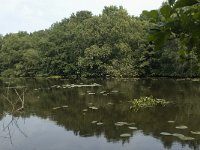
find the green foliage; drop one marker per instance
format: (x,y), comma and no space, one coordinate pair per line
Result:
(110,44)
(94,61)
(178,20)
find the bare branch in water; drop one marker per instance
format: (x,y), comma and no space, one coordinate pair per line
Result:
(13,104)
(15,121)
(21,99)
(10,137)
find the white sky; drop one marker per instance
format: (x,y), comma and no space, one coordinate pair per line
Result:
(33,15)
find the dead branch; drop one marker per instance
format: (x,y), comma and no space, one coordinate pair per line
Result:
(21,99)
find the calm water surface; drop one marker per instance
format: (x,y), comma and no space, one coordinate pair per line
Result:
(44,126)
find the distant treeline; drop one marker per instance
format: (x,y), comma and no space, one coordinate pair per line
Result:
(164,42)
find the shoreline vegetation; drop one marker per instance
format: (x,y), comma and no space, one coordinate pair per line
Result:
(82,78)
(158,43)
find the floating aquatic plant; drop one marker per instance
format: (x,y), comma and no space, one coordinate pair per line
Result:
(186,138)
(93,122)
(114,91)
(133,128)
(102,92)
(183,137)
(55,108)
(94,108)
(110,103)
(195,132)
(171,121)
(120,123)
(99,123)
(146,102)
(181,127)
(166,133)
(178,135)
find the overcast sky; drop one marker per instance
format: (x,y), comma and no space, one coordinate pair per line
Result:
(33,15)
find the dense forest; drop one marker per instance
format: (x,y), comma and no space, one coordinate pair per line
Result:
(163,42)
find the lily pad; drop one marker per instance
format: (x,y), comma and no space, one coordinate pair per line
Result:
(186,138)
(183,137)
(91,93)
(125,135)
(171,121)
(165,133)
(121,123)
(65,106)
(55,108)
(195,132)
(114,91)
(94,108)
(93,122)
(181,127)
(110,103)
(102,92)
(99,123)
(178,135)
(133,128)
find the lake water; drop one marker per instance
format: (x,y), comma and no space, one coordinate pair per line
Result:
(81,115)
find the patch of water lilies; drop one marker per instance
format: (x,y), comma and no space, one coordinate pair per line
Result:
(146,102)
(178,135)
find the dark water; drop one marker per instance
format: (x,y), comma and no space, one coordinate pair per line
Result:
(40,127)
